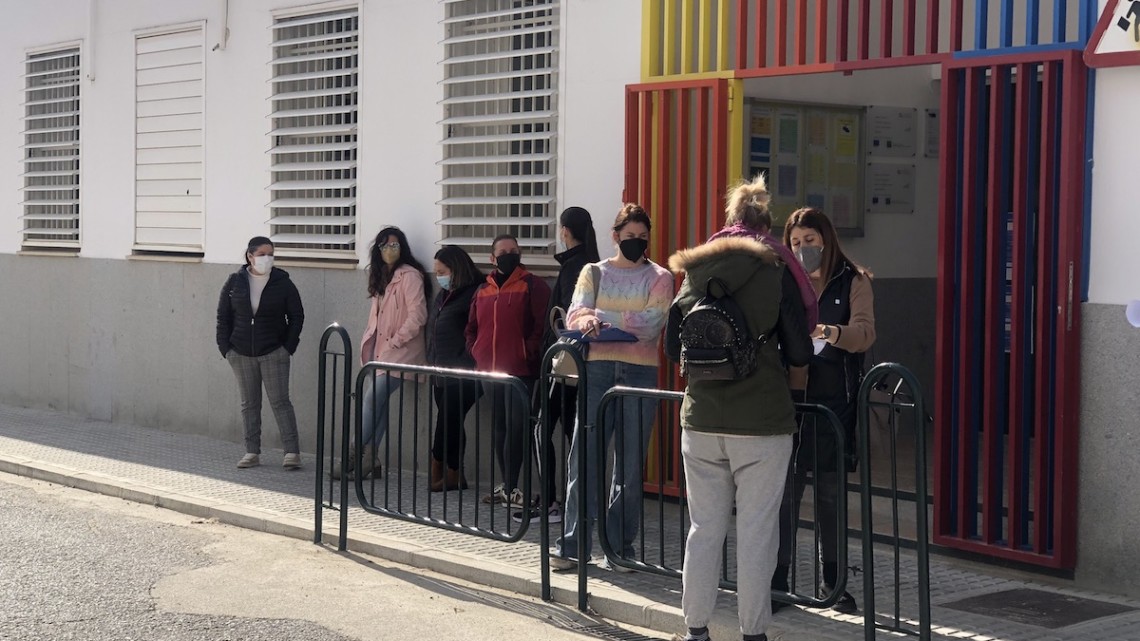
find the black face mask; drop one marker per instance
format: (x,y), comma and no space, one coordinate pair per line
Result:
(633,248)
(508,262)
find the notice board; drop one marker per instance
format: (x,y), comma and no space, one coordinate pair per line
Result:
(812,156)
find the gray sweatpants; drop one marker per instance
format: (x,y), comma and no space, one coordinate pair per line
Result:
(720,471)
(272,369)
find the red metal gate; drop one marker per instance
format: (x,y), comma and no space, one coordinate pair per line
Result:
(676,166)
(1010,242)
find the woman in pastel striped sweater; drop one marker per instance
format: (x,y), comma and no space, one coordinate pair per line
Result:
(631,293)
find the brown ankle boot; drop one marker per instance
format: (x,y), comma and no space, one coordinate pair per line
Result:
(453,480)
(436,475)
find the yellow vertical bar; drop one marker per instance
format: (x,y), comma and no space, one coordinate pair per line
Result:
(688,36)
(650,38)
(735,130)
(669,51)
(705,62)
(724,25)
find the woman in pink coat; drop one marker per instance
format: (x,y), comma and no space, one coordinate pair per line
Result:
(394,334)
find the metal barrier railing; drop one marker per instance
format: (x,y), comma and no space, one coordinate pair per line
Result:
(324,385)
(400,491)
(668,561)
(900,400)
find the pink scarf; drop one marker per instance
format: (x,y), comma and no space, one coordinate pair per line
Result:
(807,292)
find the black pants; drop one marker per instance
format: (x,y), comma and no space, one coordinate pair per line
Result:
(453,400)
(563,407)
(510,421)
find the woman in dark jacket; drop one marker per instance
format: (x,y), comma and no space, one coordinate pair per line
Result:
(845,331)
(458,278)
(258,328)
(576,230)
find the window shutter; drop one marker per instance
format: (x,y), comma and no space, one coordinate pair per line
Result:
(51,150)
(169,73)
(313,202)
(500,122)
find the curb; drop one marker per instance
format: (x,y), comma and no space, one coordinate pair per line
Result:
(605,601)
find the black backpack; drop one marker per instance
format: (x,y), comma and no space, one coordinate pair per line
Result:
(716,344)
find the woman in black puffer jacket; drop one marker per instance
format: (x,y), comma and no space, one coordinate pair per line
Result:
(458,278)
(259,324)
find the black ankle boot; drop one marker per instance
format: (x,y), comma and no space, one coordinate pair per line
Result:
(779,584)
(846,603)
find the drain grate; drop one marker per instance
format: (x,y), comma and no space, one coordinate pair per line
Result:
(1037,607)
(603,631)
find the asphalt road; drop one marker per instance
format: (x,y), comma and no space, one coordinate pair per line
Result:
(76,565)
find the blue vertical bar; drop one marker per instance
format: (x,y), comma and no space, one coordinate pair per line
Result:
(1088,20)
(1029,280)
(1059,18)
(1007,23)
(981,23)
(1032,21)
(977,290)
(957,76)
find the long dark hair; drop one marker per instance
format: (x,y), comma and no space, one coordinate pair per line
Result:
(833,256)
(380,273)
(581,226)
(463,269)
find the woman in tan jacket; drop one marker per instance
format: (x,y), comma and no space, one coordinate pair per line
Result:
(845,331)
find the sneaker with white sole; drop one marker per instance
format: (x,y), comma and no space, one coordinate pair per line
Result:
(498,496)
(516,499)
(553,514)
(562,563)
(292,462)
(606,564)
(249,460)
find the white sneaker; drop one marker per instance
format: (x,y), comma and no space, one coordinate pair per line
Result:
(562,563)
(249,460)
(497,496)
(516,499)
(292,462)
(606,564)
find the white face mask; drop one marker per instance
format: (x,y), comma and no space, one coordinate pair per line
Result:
(262,264)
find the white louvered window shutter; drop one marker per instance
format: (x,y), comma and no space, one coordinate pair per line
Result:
(51,150)
(169,141)
(313,201)
(500,123)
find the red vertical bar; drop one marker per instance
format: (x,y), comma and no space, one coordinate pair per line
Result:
(645,192)
(910,25)
(887,29)
(631,191)
(1043,342)
(661,204)
(1070,248)
(842,26)
(944,356)
(719,159)
(761,34)
(683,176)
(956,25)
(701,188)
(742,34)
(821,33)
(933,17)
(972,128)
(781,33)
(994,331)
(1026,77)
(800,42)
(864,26)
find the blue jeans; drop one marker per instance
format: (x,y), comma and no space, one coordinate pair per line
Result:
(630,437)
(374,405)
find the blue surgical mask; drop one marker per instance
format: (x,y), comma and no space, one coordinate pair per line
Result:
(444,281)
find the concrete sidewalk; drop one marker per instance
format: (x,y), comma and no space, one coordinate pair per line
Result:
(196,475)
